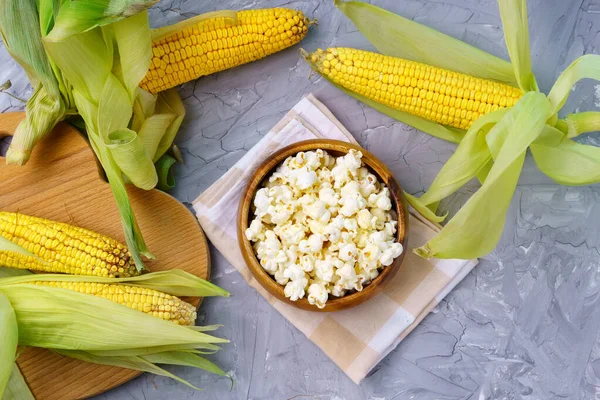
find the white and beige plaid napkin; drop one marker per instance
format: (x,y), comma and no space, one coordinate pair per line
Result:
(358,338)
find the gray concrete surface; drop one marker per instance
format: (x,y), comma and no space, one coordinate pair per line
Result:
(523,325)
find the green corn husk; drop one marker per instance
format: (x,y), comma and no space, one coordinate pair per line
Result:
(57,318)
(81,16)
(494,148)
(104,86)
(476,228)
(17,388)
(147,363)
(77,325)
(47,106)
(9,335)
(166,181)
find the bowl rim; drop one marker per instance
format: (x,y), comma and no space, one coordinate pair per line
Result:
(257,178)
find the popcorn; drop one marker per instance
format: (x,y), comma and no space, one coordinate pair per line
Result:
(317,295)
(317,226)
(329,196)
(350,189)
(381,200)
(387,257)
(397,249)
(294,272)
(348,252)
(280,278)
(332,233)
(315,210)
(364,219)
(254,231)
(389,228)
(269,265)
(371,252)
(304,178)
(324,270)
(352,161)
(313,244)
(307,262)
(350,224)
(272,244)
(313,160)
(338,291)
(352,204)
(341,175)
(262,201)
(281,213)
(295,289)
(292,233)
(323,226)
(347,276)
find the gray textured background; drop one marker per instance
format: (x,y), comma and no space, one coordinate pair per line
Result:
(523,325)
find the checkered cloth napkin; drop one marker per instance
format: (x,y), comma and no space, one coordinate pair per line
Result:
(358,338)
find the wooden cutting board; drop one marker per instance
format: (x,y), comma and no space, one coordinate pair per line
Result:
(61,183)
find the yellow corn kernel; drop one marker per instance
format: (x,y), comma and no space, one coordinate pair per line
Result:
(149,301)
(254,35)
(63,248)
(442,96)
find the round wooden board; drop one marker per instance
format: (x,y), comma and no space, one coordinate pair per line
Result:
(61,182)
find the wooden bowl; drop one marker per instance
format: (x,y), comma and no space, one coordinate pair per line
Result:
(335,148)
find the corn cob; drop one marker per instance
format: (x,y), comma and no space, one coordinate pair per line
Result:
(446,97)
(216,44)
(63,248)
(149,301)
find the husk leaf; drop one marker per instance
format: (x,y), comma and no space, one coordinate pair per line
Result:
(169,102)
(130,155)
(166,180)
(20,31)
(17,388)
(152,131)
(9,335)
(476,228)
(587,66)
(75,17)
(135,363)
(516,35)
(470,157)
(564,160)
(133,41)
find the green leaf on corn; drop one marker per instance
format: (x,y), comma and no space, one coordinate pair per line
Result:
(99,92)
(76,17)
(9,336)
(77,324)
(476,228)
(17,388)
(20,31)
